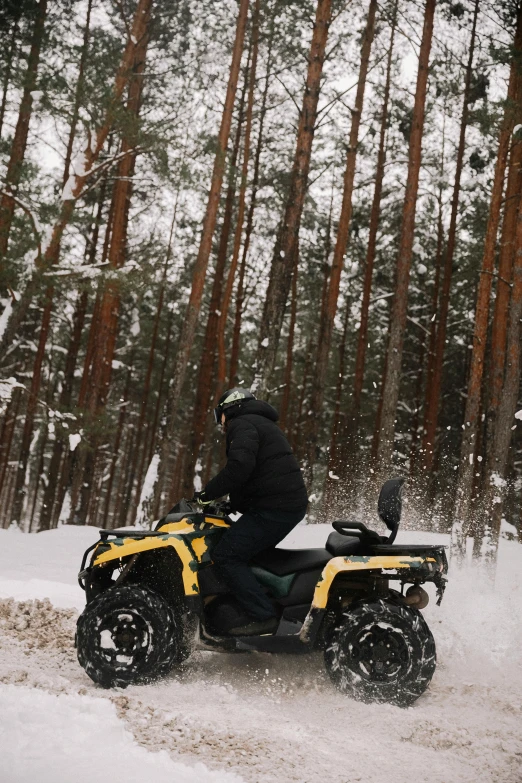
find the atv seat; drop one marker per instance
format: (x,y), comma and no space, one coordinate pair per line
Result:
(339,545)
(289,561)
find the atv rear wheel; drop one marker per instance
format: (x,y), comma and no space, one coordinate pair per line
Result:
(128,635)
(381,651)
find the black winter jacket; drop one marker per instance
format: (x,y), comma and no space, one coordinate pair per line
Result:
(261,471)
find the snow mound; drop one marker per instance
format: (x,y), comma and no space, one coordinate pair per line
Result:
(65,738)
(44,565)
(61,595)
(38,624)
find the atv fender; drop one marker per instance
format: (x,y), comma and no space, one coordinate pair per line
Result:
(125,547)
(338,565)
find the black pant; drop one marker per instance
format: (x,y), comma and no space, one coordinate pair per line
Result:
(251,534)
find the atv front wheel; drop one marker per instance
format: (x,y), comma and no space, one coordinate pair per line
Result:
(381,652)
(128,635)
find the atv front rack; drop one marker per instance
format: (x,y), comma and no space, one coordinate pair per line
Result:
(104,535)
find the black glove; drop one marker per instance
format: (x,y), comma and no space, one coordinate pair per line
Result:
(200,499)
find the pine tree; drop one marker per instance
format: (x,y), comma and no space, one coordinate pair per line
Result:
(328,315)
(352,425)
(209,352)
(435,383)
(19,144)
(106,325)
(283,257)
(392,373)
(200,268)
(471,416)
(77,182)
(497,457)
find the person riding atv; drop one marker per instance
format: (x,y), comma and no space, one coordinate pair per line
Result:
(264,482)
(155,596)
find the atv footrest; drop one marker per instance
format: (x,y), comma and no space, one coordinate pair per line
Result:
(273,644)
(288,626)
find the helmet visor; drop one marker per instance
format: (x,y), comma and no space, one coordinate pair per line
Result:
(217,415)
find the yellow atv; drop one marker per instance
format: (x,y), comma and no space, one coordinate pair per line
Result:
(154,596)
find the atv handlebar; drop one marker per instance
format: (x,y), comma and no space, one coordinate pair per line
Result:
(219,507)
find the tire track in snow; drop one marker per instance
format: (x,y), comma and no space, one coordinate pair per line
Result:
(273,718)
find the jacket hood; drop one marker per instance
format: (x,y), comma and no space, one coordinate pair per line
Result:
(259,407)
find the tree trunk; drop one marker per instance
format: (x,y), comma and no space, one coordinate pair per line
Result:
(378,417)
(8,431)
(50,289)
(333,492)
(32,403)
(208,354)
(298,430)
(471,415)
(7,494)
(221,375)
(415,435)
(400,301)
(174,483)
(497,352)
(8,71)
(106,326)
(160,403)
(284,252)
(116,447)
(47,434)
(300,425)
(327,322)
(78,95)
(161,385)
(91,340)
(435,296)
(150,366)
(285,402)
(234,357)
(38,474)
(61,444)
(119,510)
(362,340)
(190,319)
(16,159)
(498,454)
(127,479)
(435,384)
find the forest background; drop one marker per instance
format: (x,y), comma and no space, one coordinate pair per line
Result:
(317,199)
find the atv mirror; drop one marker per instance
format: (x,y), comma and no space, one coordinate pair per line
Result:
(389,505)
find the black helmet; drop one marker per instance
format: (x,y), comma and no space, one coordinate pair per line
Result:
(229,399)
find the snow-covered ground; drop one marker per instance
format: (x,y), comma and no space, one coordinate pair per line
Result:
(253,718)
